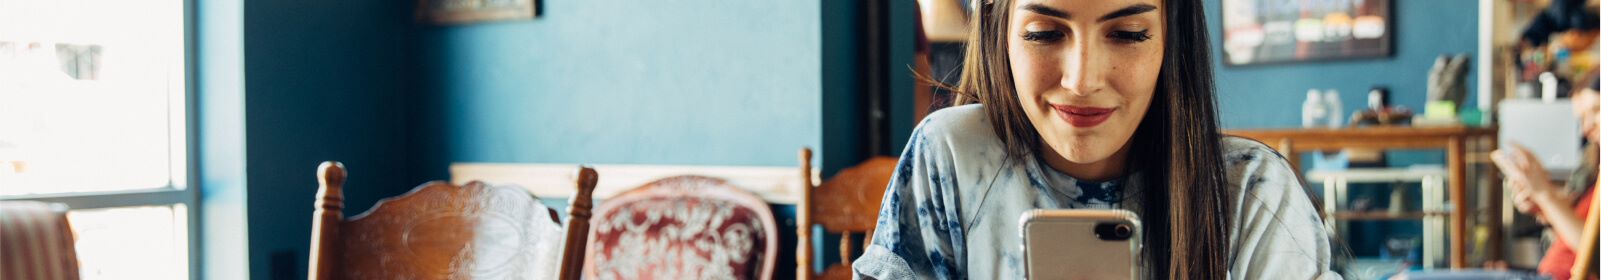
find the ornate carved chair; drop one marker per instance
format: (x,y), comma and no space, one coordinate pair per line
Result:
(444,231)
(845,204)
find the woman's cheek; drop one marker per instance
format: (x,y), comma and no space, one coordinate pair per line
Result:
(1035,75)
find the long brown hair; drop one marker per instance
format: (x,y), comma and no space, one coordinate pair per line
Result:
(1186,203)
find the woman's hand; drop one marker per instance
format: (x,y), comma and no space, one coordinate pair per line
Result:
(1535,193)
(1528,177)
(1523,200)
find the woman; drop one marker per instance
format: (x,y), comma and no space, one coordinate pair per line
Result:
(1563,209)
(1091,104)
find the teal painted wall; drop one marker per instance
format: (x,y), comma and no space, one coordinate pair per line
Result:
(358,81)
(1270,96)
(642,82)
(844,121)
(325,80)
(841,82)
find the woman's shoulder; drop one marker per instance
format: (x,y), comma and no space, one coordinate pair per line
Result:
(956,121)
(1259,171)
(964,128)
(1242,152)
(959,144)
(1277,228)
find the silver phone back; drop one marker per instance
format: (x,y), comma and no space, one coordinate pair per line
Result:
(1061,244)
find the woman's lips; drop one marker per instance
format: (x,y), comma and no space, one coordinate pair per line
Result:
(1083,116)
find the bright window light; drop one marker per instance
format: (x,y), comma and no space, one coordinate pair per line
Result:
(91,95)
(145,242)
(93,106)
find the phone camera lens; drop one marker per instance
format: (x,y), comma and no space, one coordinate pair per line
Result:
(1114,231)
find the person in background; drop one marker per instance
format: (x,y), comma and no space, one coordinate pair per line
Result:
(1561,40)
(1559,17)
(1563,209)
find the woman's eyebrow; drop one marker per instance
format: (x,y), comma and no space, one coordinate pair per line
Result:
(1043,10)
(1127,11)
(1053,12)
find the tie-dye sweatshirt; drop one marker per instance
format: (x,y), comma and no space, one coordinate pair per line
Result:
(951,211)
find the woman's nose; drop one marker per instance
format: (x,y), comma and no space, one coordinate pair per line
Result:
(1084,69)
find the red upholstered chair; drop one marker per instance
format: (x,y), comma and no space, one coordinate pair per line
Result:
(685,227)
(36,242)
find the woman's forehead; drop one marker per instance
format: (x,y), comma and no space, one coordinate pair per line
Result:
(1090,11)
(1086,7)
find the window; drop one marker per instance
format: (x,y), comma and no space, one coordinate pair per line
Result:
(93,114)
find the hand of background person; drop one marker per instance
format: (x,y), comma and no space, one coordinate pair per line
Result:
(1528,177)
(1523,200)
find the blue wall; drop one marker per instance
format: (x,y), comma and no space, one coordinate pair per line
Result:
(325,80)
(730,83)
(360,82)
(842,121)
(1270,96)
(643,82)
(843,97)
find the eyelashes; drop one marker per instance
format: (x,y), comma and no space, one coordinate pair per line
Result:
(1043,36)
(1131,36)
(1128,37)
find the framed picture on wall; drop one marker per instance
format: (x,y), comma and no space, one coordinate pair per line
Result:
(1280,31)
(467,11)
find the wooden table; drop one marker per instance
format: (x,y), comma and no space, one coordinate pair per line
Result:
(1456,140)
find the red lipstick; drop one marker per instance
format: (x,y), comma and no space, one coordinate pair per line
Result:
(1083,116)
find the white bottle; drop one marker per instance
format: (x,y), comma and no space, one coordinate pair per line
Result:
(1336,112)
(1313,112)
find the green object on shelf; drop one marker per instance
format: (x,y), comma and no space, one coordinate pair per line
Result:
(1473,117)
(1440,110)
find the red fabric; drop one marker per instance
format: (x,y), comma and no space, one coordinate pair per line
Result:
(678,238)
(1558,260)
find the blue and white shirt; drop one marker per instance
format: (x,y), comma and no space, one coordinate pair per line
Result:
(952,209)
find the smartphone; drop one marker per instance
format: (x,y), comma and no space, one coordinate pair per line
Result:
(1081,244)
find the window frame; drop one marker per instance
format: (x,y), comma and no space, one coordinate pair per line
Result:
(184,154)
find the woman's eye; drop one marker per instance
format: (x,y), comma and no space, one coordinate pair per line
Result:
(1131,36)
(1042,36)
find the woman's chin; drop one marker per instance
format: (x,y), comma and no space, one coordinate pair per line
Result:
(1084,152)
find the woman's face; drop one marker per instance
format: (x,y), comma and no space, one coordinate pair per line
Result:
(1085,72)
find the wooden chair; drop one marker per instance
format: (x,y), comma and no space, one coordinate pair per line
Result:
(1584,262)
(847,203)
(36,241)
(443,231)
(684,227)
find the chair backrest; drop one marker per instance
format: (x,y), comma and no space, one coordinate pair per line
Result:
(684,227)
(1584,262)
(846,204)
(443,231)
(36,242)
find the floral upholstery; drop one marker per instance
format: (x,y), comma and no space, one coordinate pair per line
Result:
(683,228)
